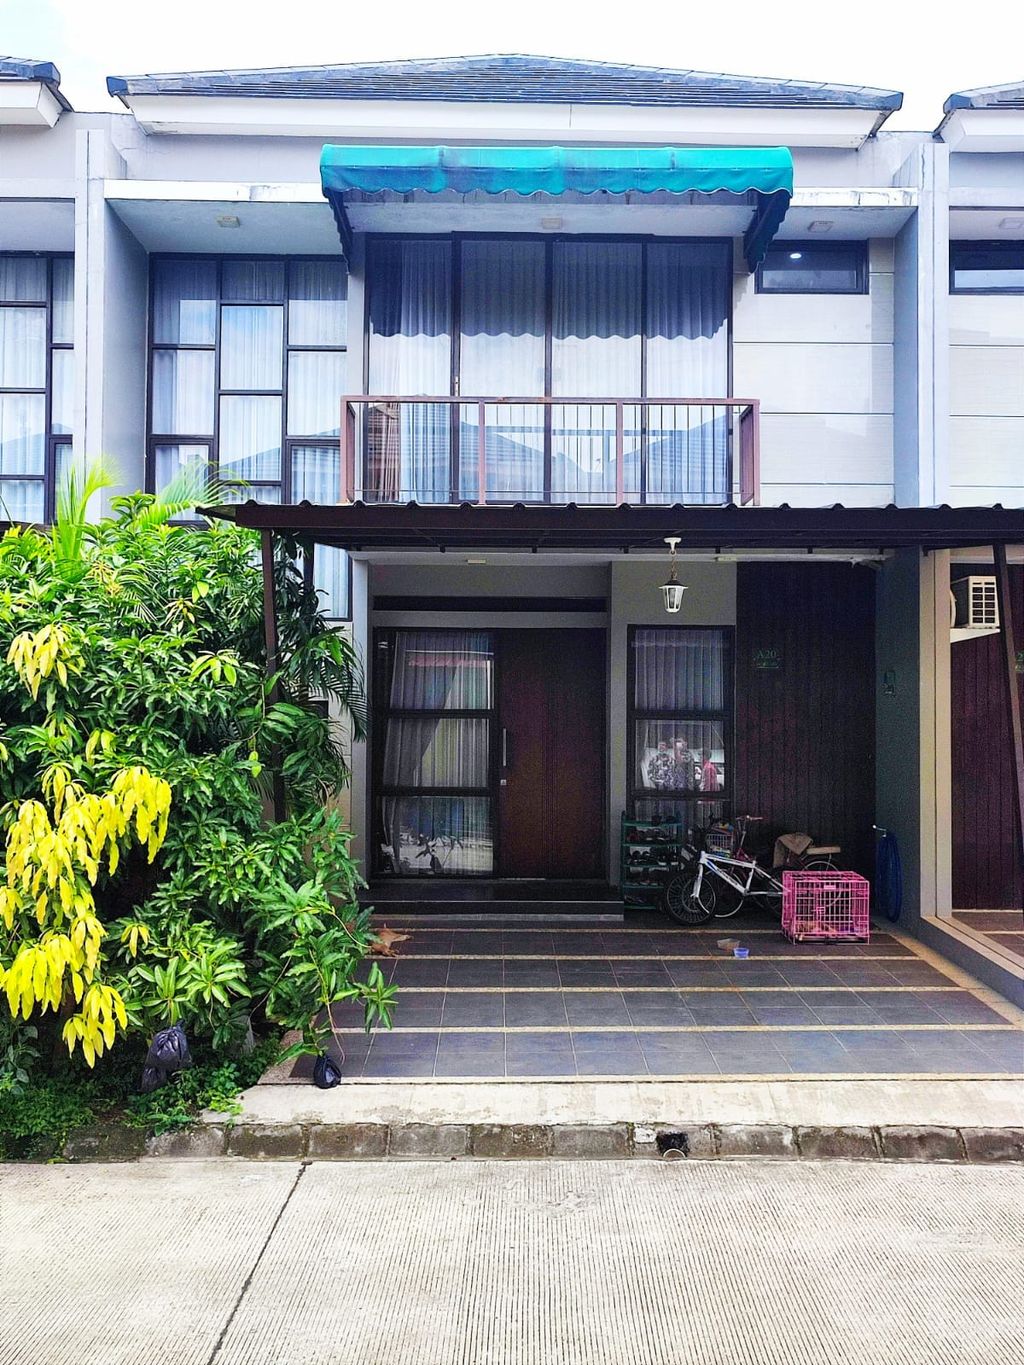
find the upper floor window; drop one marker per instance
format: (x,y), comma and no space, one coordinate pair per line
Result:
(246,379)
(36,382)
(986,267)
(577,323)
(814,268)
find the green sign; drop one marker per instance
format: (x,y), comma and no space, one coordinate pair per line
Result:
(767,660)
(1020,660)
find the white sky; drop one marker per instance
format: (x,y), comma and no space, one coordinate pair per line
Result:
(925,50)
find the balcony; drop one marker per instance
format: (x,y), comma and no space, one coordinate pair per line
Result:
(589,451)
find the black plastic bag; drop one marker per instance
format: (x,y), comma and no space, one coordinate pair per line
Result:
(169,1050)
(152,1079)
(168,1053)
(326,1073)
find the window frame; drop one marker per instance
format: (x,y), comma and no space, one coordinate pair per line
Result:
(999,248)
(385,639)
(819,248)
(211,441)
(725,717)
(51,439)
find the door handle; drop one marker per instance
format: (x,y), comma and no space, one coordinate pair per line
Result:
(504,747)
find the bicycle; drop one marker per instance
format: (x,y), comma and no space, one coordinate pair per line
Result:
(692,896)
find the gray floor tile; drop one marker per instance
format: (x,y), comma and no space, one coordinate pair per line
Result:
(595,1007)
(576,973)
(539,1054)
(523,1008)
(485,1008)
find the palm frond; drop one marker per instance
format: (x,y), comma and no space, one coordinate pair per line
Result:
(70,527)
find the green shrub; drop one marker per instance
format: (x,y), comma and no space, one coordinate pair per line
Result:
(132,661)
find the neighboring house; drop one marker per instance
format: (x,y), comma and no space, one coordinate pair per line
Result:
(573,308)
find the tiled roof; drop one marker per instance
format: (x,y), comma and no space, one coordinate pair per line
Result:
(987,97)
(28,69)
(510,78)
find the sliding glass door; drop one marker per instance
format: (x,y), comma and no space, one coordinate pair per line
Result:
(575,318)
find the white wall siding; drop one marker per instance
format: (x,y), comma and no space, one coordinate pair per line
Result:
(823,449)
(986,362)
(822,366)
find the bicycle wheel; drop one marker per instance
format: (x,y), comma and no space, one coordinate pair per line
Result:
(685,904)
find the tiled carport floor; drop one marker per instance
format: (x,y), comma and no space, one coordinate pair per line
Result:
(1004,927)
(646,999)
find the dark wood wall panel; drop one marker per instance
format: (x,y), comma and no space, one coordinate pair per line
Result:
(987,873)
(805,678)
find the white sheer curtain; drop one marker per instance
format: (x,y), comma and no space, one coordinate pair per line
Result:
(442,670)
(597,321)
(22,279)
(409,445)
(22,433)
(185,302)
(183,401)
(251,346)
(679,669)
(22,348)
(62,310)
(687,356)
(316,382)
(501,352)
(250,437)
(317,293)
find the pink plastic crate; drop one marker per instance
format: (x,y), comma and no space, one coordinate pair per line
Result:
(825,905)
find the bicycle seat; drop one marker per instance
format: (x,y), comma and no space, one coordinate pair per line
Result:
(820,850)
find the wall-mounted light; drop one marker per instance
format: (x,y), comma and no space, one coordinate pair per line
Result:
(1011,224)
(672,591)
(820,225)
(796,255)
(228,220)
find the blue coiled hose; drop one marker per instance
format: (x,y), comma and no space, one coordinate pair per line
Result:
(888,876)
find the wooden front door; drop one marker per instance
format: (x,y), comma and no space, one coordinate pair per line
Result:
(550,753)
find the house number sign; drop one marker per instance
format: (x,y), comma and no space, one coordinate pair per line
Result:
(767,660)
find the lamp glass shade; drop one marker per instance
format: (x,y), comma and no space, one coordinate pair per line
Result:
(672,592)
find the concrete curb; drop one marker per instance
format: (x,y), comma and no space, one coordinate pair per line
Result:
(595,1142)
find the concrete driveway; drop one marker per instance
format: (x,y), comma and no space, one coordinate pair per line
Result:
(546,1263)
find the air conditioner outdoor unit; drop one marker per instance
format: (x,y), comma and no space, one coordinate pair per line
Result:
(973,607)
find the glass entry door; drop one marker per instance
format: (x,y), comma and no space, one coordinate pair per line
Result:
(435,698)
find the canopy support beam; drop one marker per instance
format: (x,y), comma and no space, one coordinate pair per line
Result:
(272,643)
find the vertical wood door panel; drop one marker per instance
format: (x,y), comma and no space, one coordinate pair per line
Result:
(805,737)
(551,706)
(987,872)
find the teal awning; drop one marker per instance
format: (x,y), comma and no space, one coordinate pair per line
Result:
(766,172)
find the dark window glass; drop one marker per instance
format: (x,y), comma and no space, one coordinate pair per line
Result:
(434,802)
(814,268)
(248,355)
(680,724)
(36,382)
(986,267)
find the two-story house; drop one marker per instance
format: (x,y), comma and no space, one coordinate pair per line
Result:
(492,333)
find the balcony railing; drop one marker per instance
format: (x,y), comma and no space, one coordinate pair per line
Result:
(700,451)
